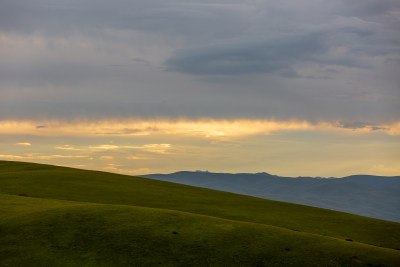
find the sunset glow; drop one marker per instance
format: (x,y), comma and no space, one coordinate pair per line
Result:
(240,145)
(207,128)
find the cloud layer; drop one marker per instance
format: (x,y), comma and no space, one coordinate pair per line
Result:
(201,128)
(240,145)
(297,59)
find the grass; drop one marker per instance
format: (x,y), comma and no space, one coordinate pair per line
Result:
(56,216)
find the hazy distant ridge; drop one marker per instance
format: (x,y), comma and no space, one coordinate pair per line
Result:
(367,195)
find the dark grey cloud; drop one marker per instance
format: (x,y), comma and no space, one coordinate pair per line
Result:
(184,17)
(355,124)
(360,125)
(367,8)
(246,56)
(65,17)
(335,60)
(52,73)
(256,55)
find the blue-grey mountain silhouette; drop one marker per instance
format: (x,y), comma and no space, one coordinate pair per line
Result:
(367,195)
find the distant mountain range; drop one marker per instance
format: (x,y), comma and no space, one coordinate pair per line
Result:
(366,195)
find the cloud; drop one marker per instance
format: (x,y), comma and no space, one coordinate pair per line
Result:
(67,147)
(308,60)
(79,166)
(117,168)
(354,124)
(169,17)
(12,157)
(106,157)
(23,144)
(104,147)
(381,169)
(58,156)
(140,157)
(393,129)
(360,125)
(40,156)
(201,128)
(247,56)
(153,148)
(139,171)
(111,167)
(156,148)
(369,8)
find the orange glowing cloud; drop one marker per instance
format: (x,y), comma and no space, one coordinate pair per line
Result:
(36,156)
(154,148)
(205,128)
(23,144)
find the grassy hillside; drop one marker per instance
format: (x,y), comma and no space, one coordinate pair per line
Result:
(55,216)
(365,195)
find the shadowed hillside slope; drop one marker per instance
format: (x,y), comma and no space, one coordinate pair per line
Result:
(366,195)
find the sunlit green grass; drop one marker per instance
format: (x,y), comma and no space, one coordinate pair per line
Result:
(54,216)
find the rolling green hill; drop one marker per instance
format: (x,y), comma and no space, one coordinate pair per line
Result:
(57,216)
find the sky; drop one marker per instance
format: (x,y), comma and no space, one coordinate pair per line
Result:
(292,87)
